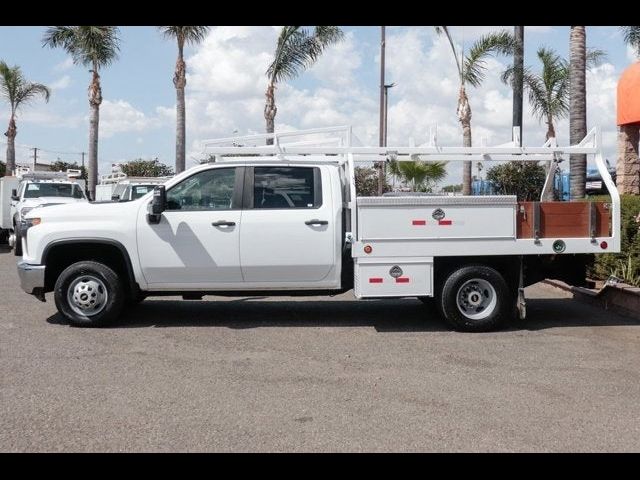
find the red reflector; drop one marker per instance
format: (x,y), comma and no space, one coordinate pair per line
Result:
(604,245)
(375,280)
(368,249)
(444,222)
(402,280)
(419,222)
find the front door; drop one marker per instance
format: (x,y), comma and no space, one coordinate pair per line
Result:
(288,226)
(196,243)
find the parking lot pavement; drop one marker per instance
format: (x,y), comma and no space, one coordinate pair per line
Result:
(322,374)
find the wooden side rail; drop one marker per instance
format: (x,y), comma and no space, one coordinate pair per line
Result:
(563,220)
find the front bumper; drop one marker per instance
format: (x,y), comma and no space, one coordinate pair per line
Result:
(31,278)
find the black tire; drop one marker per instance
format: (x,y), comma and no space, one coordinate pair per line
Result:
(92,272)
(17,249)
(484,304)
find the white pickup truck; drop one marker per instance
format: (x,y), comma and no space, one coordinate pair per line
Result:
(285,220)
(27,190)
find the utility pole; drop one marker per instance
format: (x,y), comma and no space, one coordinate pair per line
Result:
(518,67)
(35,158)
(382,112)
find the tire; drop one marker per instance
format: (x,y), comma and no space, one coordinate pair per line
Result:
(17,249)
(82,282)
(475,298)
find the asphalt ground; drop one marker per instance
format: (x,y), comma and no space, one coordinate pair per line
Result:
(315,374)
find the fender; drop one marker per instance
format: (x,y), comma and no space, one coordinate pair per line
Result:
(133,285)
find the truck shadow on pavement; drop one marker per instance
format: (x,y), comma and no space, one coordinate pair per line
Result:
(408,315)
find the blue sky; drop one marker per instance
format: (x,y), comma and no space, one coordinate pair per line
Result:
(225,90)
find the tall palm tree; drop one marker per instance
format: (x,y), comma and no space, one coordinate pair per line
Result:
(577,108)
(421,175)
(93,47)
(472,71)
(18,91)
(628,136)
(297,49)
(182,35)
(549,89)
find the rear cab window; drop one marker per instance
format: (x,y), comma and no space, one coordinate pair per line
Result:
(285,188)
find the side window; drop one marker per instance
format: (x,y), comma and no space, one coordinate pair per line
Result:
(287,187)
(208,190)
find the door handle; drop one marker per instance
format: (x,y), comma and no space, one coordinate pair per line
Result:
(316,222)
(223,223)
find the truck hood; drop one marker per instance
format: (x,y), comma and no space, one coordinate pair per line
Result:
(34,202)
(83,211)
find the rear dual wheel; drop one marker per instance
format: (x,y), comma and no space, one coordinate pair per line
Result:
(475,298)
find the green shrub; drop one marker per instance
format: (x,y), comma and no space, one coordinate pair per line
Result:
(626,264)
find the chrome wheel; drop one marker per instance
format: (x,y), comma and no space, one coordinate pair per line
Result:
(87,295)
(476,299)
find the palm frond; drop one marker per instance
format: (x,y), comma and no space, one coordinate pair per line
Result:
(91,46)
(473,71)
(187,34)
(632,37)
(297,49)
(595,57)
(16,89)
(443,29)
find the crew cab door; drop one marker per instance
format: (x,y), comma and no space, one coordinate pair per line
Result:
(288,226)
(196,243)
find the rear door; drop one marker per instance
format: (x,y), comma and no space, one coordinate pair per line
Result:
(288,227)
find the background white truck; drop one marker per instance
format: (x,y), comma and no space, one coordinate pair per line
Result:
(285,220)
(27,190)
(120,187)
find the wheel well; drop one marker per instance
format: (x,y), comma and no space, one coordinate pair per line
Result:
(507,265)
(59,256)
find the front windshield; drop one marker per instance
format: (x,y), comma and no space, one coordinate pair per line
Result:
(36,190)
(141,190)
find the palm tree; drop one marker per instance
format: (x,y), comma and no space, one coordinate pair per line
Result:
(629,135)
(297,50)
(632,37)
(421,175)
(189,35)
(18,91)
(549,89)
(577,108)
(472,71)
(93,47)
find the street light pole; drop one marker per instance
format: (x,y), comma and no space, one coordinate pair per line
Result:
(386,111)
(382,112)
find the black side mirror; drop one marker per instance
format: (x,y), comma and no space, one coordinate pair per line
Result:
(158,204)
(14,195)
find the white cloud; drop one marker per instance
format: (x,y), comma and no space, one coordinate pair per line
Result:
(119,116)
(62,83)
(66,64)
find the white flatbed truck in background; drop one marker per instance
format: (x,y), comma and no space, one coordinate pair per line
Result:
(284,219)
(119,187)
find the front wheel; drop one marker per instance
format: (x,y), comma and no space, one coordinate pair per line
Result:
(475,298)
(89,294)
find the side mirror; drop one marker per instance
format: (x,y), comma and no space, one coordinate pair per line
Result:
(14,195)
(158,204)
